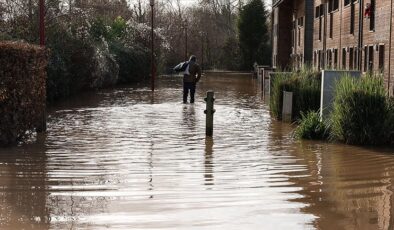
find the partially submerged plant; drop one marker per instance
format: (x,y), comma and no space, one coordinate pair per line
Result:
(311,127)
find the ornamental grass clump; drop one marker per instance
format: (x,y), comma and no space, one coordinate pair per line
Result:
(311,127)
(360,111)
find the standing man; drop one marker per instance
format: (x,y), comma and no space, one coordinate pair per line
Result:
(190,78)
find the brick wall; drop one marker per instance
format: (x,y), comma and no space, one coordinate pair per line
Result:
(292,33)
(339,36)
(282,35)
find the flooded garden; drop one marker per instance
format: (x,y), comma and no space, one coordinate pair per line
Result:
(128,158)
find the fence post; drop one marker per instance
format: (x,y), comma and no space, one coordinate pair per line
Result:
(209,113)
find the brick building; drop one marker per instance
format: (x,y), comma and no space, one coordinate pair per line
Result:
(292,32)
(346,34)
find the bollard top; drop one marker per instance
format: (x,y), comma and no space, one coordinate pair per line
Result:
(210,92)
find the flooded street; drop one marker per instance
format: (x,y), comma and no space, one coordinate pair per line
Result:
(128,159)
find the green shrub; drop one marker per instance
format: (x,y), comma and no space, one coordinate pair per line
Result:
(360,111)
(305,86)
(311,127)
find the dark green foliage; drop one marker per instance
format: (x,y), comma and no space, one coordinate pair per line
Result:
(305,86)
(99,57)
(134,63)
(360,111)
(253,34)
(76,64)
(311,127)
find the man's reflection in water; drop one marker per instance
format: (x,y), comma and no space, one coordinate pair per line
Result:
(189,117)
(208,164)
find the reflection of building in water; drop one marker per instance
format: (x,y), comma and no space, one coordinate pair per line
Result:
(347,188)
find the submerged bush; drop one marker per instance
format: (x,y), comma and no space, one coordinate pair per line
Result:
(134,63)
(360,111)
(76,64)
(305,86)
(311,127)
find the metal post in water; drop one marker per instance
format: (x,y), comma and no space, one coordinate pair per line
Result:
(209,113)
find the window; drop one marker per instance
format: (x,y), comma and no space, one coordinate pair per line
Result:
(321,10)
(320,59)
(333,5)
(344,58)
(370,58)
(356,58)
(335,58)
(317,12)
(381,58)
(293,35)
(365,58)
(301,21)
(372,16)
(351,60)
(352,18)
(299,37)
(329,59)
(320,28)
(314,58)
(331,24)
(347,2)
(336,5)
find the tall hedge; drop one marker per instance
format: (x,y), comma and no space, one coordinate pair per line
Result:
(22,89)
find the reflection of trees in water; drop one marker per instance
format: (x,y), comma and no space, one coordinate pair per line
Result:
(67,211)
(347,187)
(23,184)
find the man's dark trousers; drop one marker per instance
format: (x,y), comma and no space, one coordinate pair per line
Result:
(189,86)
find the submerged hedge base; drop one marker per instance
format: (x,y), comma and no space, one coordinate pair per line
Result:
(22,90)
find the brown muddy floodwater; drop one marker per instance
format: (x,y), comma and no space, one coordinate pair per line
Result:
(124,159)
